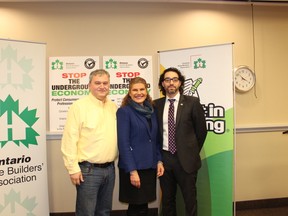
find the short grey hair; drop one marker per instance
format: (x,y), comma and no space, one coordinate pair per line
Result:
(98,72)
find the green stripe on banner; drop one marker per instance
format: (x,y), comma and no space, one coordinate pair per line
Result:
(214,187)
(215,178)
(214,183)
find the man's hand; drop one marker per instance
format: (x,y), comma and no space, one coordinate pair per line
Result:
(76,178)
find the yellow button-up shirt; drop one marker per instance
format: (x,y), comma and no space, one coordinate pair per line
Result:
(90,133)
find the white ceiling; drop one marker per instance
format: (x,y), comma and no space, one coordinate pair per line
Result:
(155,1)
(166,1)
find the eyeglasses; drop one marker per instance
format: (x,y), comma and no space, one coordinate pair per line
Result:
(168,80)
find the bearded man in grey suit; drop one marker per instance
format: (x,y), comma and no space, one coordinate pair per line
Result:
(181,161)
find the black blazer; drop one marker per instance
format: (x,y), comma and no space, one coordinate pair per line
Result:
(191,130)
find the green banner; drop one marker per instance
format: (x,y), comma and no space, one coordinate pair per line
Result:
(208,74)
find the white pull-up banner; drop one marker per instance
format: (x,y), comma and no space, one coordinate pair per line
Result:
(209,76)
(23,166)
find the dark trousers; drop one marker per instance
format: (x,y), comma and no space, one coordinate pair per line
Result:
(175,175)
(137,209)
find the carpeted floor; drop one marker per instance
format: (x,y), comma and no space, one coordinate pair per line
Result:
(276,211)
(280,211)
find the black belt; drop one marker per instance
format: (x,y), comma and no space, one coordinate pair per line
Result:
(99,165)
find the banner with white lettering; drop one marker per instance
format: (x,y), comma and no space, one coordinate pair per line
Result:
(68,81)
(23,166)
(208,75)
(122,69)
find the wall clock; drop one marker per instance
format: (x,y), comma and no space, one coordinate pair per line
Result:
(244,79)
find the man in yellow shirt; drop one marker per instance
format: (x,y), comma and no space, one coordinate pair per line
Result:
(89,147)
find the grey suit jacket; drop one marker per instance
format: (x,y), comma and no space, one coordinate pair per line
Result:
(191,130)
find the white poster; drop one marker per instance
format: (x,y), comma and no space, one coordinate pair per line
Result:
(208,75)
(23,166)
(122,69)
(68,81)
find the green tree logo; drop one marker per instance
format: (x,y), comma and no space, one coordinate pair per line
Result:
(200,63)
(16,126)
(14,71)
(110,64)
(57,65)
(14,205)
